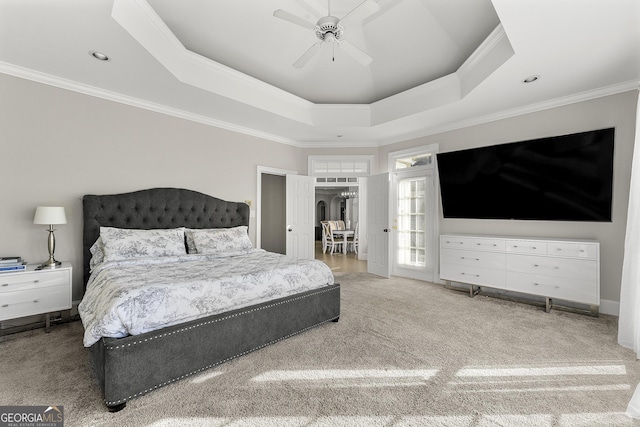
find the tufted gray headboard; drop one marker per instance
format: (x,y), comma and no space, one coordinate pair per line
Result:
(156,208)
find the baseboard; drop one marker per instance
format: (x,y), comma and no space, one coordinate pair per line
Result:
(610,307)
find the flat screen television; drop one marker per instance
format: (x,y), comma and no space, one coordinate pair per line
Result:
(561,178)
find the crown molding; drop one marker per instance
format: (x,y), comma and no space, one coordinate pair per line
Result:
(62,83)
(59,82)
(527,109)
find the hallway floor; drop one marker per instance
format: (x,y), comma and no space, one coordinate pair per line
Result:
(339,262)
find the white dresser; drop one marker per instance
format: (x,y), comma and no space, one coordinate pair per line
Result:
(568,270)
(32,292)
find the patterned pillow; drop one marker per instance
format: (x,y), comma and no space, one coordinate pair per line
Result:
(97,254)
(216,240)
(122,243)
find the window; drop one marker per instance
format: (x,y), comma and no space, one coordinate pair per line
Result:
(413,161)
(412,221)
(349,167)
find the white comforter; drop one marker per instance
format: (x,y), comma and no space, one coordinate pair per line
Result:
(136,296)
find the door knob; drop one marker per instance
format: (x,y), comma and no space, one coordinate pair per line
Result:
(289,229)
(386,230)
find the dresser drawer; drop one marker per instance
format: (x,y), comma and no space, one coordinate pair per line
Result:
(582,291)
(473,275)
(554,267)
(35,301)
(472,243)
(526,247)
(33,279)
(490,260)
(578,250)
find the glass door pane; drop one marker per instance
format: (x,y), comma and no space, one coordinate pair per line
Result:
(412,219)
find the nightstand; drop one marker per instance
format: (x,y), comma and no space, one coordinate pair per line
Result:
(33,292)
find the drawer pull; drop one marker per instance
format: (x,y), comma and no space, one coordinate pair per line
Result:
(467,274)
(536,265)
(536,284)
(36,300)
(5,284)
(36,281)
(5,305)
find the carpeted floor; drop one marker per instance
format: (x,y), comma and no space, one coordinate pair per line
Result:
(405,353)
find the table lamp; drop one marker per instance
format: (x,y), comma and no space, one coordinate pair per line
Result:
(50,215)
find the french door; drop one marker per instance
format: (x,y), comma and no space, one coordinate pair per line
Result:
(413,231)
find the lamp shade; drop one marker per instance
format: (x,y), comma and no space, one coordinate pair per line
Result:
(50,215)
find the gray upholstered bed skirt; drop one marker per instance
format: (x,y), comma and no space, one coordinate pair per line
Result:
(132,366)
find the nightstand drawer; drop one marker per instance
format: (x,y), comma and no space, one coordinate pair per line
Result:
(35,301)
(32,280)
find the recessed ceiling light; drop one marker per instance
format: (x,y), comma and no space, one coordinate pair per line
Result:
(99,55)
(530,79)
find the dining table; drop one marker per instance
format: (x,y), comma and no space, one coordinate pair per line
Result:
(344,234)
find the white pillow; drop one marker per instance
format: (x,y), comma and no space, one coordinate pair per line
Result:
(216,240)
(122,243)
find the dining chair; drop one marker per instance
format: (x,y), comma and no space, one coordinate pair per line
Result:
(352,241)
(325,228)
(327,236)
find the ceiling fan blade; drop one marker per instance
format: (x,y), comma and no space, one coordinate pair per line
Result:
(357,53)
(316,12)
(290,17)
(307,55)
(361,12)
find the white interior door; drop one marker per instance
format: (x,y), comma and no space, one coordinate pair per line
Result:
(300,213)
(378,225)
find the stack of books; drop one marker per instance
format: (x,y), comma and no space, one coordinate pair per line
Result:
(11,264)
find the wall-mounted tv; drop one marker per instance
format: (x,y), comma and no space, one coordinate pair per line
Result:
(561,178)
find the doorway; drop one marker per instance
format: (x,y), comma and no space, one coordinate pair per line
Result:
(413,198)
(273,220)
(273,203)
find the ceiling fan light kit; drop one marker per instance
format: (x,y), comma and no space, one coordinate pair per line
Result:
(329,29)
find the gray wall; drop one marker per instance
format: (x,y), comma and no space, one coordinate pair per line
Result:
(273,210)
(612,111)
(58,145)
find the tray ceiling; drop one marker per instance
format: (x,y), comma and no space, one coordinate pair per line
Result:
(437,64)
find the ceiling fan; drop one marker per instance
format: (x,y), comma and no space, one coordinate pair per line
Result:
(329,29)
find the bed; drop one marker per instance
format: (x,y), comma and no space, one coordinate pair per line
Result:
(129,365)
